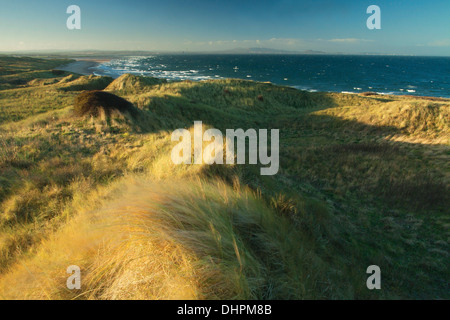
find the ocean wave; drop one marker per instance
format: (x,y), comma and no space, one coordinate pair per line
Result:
(303,88)
(198,68)
(145,66)
(390,93)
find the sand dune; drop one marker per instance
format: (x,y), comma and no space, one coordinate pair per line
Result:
(83,66)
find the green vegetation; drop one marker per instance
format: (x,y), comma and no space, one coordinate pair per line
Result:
(364,179)
(129,83)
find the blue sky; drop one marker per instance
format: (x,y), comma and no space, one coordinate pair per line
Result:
(408,26)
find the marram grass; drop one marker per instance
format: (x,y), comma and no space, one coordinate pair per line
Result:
(363,180)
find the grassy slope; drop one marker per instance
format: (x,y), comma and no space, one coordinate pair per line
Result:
(363,180)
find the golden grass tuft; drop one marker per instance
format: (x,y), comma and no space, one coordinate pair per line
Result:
(85,83)
(166,241)
(128,83)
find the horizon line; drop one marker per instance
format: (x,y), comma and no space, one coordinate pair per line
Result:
(225,52)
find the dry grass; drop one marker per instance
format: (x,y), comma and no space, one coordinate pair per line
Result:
(129,83)
(163,241)
(363,180)
(85,83)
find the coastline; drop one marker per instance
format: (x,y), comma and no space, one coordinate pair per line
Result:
(87,66)
(83,66)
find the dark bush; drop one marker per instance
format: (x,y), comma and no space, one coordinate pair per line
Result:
(94,103)
(58,72)
(368,94)
(18,82)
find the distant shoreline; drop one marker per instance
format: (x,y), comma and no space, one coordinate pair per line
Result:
(87,66)
(83,66)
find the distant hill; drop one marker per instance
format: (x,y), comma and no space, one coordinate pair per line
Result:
(99,54)
(265,51)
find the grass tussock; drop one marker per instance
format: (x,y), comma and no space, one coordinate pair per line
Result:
(86,83)
(129,83)
(98,103)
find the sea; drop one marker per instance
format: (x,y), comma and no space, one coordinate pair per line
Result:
(397,75)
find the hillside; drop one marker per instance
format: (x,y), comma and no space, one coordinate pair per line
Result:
(363,180)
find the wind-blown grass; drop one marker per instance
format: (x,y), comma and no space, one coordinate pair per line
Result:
(163,241)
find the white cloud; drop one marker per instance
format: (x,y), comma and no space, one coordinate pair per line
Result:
(440,43)
(288,44)
(348,40)
(279,42)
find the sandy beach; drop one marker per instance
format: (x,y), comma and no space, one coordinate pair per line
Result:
(83,66)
